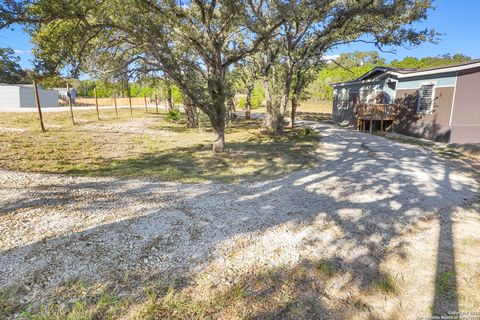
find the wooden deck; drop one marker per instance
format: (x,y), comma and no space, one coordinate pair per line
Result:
(374,115)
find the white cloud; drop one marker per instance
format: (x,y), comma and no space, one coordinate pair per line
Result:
(19,51)
(331,56)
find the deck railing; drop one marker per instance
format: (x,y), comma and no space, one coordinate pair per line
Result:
(376,110)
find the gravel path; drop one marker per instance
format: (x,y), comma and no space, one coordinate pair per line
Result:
(356,206)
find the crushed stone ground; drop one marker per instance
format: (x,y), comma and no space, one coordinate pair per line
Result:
(367,201)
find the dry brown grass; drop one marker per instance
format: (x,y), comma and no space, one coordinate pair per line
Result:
(282,293)
(148,146)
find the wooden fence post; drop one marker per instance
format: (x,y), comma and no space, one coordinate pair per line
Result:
(96,102)
(70,103)
(115,103)
(145,100)
(130,103)
(156,103)
(37,101)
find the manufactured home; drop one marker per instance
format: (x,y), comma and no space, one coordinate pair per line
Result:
(439,104)
(14,96)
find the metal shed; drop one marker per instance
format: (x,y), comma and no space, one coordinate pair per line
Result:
(14,96)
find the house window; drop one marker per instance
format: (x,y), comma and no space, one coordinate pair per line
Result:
(379,97)
(392,85)
(372,95)
(366,95)
(425,99)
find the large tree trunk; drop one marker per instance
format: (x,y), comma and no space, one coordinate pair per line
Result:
(248,102)
(274,121)
(286,88)
(294,110)
(219,143)
(191,112)
(297,89)
(169,96)
(231,116)
(275,118)
(216,89)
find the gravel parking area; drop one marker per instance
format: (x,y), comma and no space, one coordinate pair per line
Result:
(372,205)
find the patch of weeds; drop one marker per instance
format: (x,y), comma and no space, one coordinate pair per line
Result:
(445,282)
(325,268)
(173,115)
(72,288)
(471,242)
(171,306)
(105,306)
(386,284)
(306,131)
(448,152)
(9,300)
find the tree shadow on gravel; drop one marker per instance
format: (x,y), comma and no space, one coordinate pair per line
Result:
(350,211)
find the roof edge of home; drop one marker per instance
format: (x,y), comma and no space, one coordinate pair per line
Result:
(408,73)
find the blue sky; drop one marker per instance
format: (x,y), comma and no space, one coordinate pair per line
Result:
(459,20)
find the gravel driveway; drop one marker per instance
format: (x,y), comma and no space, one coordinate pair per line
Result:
(361,205)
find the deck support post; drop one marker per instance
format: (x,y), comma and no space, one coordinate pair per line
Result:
(371,126)
(363,125)
(381,125)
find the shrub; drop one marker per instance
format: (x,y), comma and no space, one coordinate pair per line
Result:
(257,96)
(256,99)
(306,131)
(242,102)
(173,115)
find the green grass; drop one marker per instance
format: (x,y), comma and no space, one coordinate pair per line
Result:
(445,282)
(325,268)
(157,148)
(281,293)
(9,300)
(386,284)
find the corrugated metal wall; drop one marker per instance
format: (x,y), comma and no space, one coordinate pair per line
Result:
(48,98)
(14,96)
(9,97)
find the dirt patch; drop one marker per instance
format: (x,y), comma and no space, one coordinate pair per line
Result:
(5,129)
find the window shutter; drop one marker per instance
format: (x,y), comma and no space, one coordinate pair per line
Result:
(425,99)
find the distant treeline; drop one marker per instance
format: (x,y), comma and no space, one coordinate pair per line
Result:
(346,67)
(349,66)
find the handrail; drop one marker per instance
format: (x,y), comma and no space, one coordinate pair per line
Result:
(376,110)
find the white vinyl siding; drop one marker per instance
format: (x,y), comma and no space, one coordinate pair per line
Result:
(425,98)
